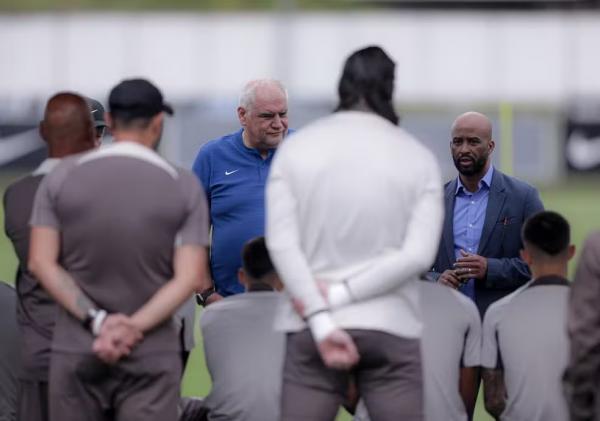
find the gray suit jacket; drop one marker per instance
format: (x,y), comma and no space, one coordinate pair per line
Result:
(583,390)
(510,203)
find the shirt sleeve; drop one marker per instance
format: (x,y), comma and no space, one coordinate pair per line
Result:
(489,343)
(44,205)
(202,170)
(195,227)
(472,349)
(283,238)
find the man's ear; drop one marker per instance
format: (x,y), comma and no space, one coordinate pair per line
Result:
(109,120)
(571,251)
(42,130)
(492,145)
(243,277)
(242,114)
(526,256)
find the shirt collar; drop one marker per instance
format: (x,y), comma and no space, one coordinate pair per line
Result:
(46,166)
(485,181)
(549,280)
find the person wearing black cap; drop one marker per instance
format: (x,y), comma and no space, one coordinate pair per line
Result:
(119,239)
(100,125)
(67,129)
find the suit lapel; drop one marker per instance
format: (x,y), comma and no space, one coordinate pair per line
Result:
(494,207)
(449,221)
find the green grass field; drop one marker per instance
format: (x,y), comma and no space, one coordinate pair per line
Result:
(577,199)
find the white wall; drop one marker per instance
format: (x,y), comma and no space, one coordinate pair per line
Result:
(442,57)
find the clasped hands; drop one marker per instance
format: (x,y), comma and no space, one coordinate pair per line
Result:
(118,336)
(468,266)
(337,349)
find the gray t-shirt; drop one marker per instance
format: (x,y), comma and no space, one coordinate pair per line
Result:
(36,310)
(244,355)
(451,340)
(121,212)
(525,335)
(9,353)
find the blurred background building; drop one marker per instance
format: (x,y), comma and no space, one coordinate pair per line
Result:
(531,65)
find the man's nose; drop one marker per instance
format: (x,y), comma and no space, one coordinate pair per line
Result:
(276,122)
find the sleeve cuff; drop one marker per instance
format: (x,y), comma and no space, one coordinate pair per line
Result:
(321,325)
(338,295)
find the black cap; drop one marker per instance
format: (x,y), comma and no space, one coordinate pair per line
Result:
(137,98)
(97,111)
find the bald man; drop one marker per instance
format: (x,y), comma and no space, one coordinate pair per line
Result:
(233,170)
(67,129)
(485,210)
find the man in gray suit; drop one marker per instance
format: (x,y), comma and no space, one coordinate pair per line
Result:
(485,210)
(582,388)
(10,362)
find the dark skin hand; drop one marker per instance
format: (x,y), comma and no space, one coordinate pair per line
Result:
(470,266)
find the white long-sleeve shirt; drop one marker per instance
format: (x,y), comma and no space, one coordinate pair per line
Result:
(355,202)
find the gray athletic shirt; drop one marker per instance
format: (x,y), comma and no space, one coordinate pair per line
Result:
(121,211)
(451,339)
(525,335)
(36,310)
(9,353)
(244,355)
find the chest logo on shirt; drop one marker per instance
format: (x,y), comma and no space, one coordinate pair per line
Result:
(231,172)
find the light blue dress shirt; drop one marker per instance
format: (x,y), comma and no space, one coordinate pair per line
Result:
(469,216)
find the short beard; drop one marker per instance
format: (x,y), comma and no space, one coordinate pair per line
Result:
(475,169)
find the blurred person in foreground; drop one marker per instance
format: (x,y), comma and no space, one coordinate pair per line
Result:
(354,211)
(581,379)
(67,130)
(451,350)
(10,358)
(233,170)
(525,346)
(244,354)
(119,240)
(485,210)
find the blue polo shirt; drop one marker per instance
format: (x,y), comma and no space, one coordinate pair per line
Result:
(234,178)
(469,216)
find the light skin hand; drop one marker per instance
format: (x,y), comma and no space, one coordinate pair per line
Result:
(214,298)
(117,338)
(338,350)
(470,266)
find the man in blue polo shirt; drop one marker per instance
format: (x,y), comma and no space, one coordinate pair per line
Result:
(233,170)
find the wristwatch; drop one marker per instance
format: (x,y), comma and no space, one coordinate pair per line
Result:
(93,320)
(203,296)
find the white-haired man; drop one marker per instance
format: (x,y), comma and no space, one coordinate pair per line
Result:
(233,170)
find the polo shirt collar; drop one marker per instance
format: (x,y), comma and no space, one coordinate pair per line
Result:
(549,280)
(46,166)
(239,140)
(486,181)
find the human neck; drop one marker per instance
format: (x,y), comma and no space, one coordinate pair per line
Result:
(471,182)
(259,287)
(59,152)
(549,269)
(264,153)
(135,137)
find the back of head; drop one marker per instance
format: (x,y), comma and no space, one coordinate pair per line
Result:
(257,264)
(546,235)
(133,103)
(368,80)
(67,126)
